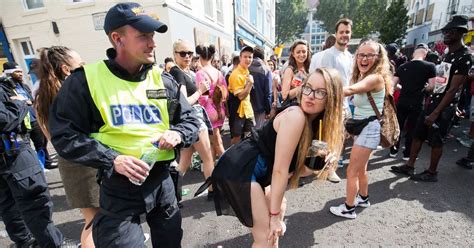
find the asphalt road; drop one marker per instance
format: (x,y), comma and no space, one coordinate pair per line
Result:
(403,212)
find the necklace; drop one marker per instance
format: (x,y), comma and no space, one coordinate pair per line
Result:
(186,72)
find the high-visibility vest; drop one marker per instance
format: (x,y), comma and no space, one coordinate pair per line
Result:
(135,113)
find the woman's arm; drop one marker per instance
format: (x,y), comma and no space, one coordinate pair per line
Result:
(286,83)
(275,91)
(289,127)
(369,83)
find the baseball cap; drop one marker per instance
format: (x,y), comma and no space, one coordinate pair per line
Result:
(246,49)
(134,15)
(423,45)
(10,67)
(392,48)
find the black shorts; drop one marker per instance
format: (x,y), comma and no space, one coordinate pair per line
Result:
(437,132)
(239,126)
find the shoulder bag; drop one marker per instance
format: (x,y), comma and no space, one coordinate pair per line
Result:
(389,128)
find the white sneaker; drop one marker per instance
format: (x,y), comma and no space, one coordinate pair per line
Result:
(333,177)
(359,202)
(342,211)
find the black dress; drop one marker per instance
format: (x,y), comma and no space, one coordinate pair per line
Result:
(232,175)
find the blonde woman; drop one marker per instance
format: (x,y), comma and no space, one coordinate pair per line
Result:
(183,54)
(253,175)
(371,73)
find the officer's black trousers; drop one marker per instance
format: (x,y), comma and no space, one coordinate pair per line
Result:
(111,231)
(25,204)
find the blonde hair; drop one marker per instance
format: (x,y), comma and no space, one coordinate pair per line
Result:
(332,132)
(381,66)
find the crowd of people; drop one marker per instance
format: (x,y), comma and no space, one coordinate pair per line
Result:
(122,124)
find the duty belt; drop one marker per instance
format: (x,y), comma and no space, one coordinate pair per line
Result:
(11,143)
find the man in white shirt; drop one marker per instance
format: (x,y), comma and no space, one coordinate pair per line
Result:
(339,58)
(318,57)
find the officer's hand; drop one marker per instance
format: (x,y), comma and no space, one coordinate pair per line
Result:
(131,167)
(169,139)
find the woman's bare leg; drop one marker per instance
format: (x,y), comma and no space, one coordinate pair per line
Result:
(86,235)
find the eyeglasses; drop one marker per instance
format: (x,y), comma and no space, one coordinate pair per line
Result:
(184,53)
(319,94)
(368,56)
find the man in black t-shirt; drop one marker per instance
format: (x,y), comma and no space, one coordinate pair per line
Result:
(412,76)
(434,120)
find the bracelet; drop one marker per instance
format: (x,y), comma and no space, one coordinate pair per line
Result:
(274,214)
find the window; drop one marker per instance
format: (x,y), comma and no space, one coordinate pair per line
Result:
(209,8)
(219,12)
(33,4)
(253,12)
(238,7)
(260,15)
(429,13)
(317,39)
(314,27)
(27,48)
(245,9)
(419,17)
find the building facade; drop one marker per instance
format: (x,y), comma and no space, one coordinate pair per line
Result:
(427,17)
(314,33)
(255,24)
(78,24)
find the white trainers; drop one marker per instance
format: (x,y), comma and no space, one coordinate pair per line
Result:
(342,211)
(333,177)
(359,202)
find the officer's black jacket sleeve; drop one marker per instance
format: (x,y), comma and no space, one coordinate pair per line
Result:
(187,124)
(73,116)
(12,113)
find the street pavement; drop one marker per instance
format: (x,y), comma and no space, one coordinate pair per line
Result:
(403,213)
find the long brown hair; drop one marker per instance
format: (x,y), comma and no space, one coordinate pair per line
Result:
(332,132)
(51,77)
(381,66)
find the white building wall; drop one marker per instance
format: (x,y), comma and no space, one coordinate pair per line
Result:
(76,25)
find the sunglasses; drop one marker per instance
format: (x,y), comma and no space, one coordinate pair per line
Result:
(184,53)
(319,94)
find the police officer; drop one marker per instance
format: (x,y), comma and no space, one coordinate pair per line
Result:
(108,113)
(15,86)
(25,204)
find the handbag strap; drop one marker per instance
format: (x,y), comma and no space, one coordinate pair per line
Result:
(374,107)
(209,76)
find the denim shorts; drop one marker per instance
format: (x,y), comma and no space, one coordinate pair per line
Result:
(260,169)
(370,136)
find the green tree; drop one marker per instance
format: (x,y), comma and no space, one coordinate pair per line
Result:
(365,14)
(394,23)
(291,19)
(367,17)
(330,11)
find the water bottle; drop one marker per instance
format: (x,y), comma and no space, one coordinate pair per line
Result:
(149,156)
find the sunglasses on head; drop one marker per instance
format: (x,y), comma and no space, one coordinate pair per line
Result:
(184,53)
